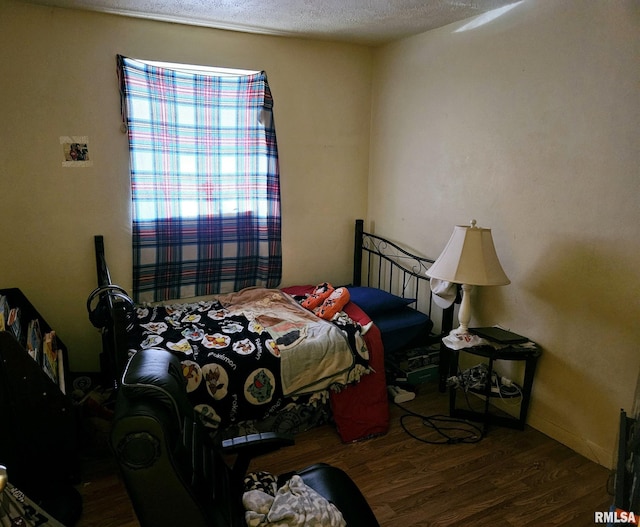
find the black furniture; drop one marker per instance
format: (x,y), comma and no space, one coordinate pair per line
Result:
(39,439)
(527,352)
(627,475)
(173,471)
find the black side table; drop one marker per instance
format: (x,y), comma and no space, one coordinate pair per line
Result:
(528,352)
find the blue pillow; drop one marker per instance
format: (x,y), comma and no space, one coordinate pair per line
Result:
(373,301)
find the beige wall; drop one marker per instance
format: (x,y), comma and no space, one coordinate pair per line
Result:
(529,124)
(59,79)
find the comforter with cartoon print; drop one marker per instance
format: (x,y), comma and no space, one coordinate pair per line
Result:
(246,355)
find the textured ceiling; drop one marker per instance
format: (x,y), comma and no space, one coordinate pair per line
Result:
(362,21)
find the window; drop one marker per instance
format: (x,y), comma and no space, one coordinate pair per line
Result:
(204,180)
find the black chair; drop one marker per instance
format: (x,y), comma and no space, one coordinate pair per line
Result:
(173,472)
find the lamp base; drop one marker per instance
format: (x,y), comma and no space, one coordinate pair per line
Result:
(464,313)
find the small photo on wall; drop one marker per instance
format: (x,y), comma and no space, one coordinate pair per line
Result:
(75,150)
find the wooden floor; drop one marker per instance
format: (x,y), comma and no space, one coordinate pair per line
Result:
(509,478)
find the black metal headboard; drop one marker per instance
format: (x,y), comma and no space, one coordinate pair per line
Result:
(104,277)
(379,262)
(110,310)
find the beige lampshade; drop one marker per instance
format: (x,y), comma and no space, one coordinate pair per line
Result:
(469,258)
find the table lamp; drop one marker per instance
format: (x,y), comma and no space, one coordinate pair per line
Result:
(469,259)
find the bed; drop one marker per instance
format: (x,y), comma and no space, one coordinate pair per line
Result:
(256,360)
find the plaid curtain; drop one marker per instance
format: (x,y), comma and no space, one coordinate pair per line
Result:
(205,181)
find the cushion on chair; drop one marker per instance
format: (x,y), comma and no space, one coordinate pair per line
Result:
(337,487)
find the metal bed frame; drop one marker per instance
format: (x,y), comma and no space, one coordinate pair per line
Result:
(381,263)
(378,262)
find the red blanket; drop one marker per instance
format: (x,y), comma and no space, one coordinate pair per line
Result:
(360,410)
